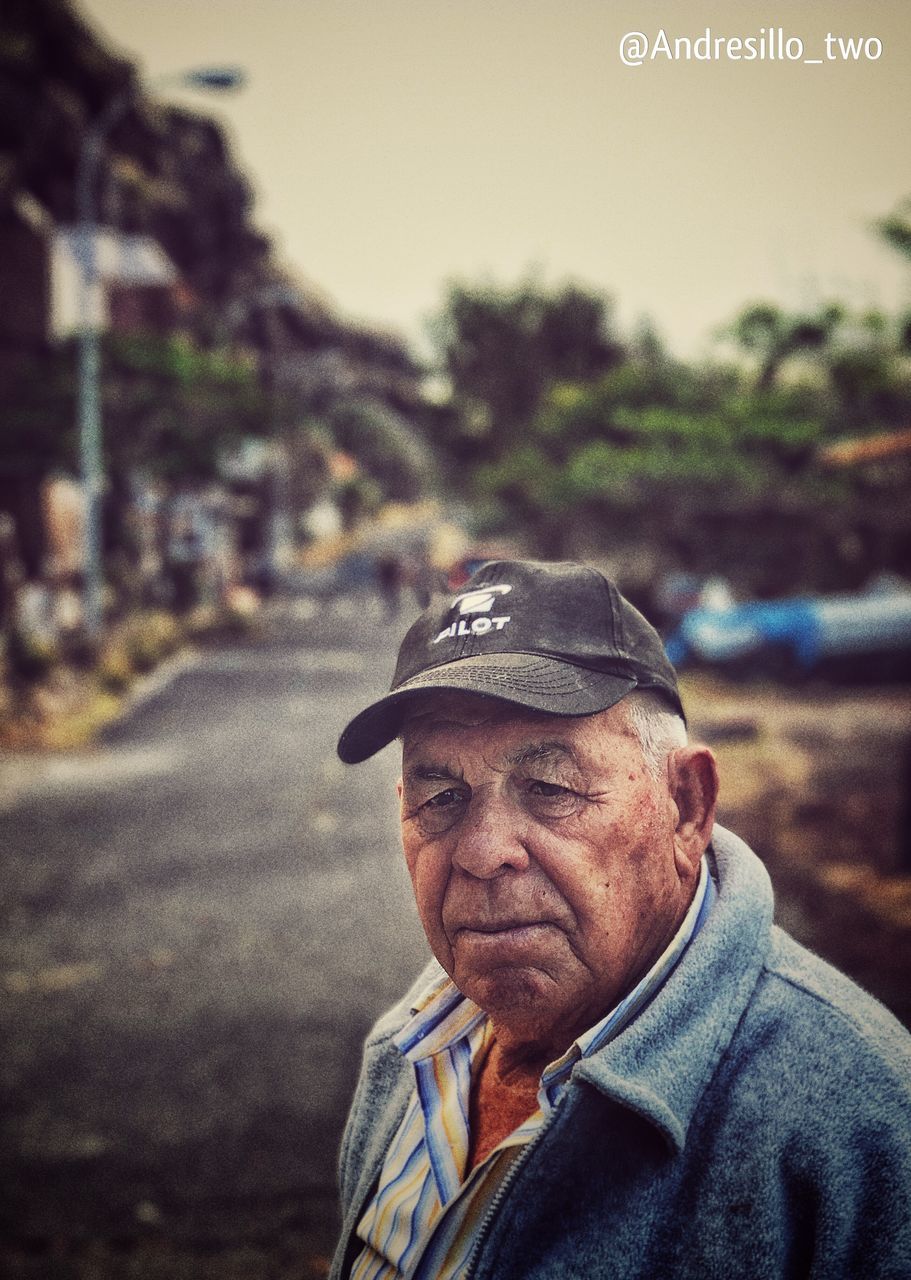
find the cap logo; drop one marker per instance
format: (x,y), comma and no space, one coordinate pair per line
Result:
(479,601)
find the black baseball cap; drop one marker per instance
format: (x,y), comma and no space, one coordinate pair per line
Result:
(552,637)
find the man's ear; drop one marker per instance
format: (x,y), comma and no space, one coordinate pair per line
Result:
(693,783)
(399,789)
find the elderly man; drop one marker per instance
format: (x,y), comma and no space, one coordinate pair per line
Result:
(617,1066)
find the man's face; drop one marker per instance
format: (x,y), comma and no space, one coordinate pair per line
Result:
(545,860)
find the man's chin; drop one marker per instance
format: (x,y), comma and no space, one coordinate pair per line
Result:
(510,992)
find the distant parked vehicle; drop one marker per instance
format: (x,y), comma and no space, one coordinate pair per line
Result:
(865,634)
(461,570)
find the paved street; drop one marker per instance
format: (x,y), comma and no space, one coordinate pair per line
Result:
(201,917)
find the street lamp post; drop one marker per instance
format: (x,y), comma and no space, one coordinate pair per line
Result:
(88,385)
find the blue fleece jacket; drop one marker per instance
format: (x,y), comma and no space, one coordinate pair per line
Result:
(753,1122)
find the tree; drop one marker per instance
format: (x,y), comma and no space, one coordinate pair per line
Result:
(658,456)
(169,410)
(587,445)
(896,231)
(896,228)
(766,331)
(501,347)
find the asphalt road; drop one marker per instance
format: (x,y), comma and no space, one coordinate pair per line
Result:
(201,917)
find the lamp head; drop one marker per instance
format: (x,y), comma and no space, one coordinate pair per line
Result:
(220,79)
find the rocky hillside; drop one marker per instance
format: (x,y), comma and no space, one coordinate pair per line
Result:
(166,172)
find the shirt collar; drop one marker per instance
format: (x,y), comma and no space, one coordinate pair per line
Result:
(441,1017)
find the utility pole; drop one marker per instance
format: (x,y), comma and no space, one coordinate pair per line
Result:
(218,79)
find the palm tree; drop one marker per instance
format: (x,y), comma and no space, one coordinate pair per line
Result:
(896,231)
(768,332)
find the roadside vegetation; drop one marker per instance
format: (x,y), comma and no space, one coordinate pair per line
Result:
(55,697)
(592,442)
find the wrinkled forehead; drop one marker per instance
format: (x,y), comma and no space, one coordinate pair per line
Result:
(441,713)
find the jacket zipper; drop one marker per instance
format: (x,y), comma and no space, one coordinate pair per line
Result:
(503,1191)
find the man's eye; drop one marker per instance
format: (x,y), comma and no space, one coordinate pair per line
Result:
(549,790)
(442,799)
(441,811)
(550,800)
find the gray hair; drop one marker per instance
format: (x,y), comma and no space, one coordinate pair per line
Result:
(659,729)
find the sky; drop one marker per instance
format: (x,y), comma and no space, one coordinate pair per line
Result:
(396,144)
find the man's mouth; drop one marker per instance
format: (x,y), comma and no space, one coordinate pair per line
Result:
(501,930)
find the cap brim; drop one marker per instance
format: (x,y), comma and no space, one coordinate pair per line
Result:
(549,685)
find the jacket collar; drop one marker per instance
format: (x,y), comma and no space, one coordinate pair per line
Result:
(660,1065)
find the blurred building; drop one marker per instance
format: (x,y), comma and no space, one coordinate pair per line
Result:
(178,252)
(139,290)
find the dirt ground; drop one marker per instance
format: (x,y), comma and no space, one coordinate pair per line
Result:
(818,780)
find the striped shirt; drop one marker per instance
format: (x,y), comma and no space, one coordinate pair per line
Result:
(423,1221)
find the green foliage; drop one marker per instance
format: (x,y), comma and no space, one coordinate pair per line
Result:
(174,359)
(896,228)
(501,348)
(167,407)
(767,331)
(174,409)
(853,361)
(716,468)
(605,446)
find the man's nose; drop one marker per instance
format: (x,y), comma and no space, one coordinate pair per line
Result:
(491,839)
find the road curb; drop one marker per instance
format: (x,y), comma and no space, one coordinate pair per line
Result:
(18,769)
(149,686)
